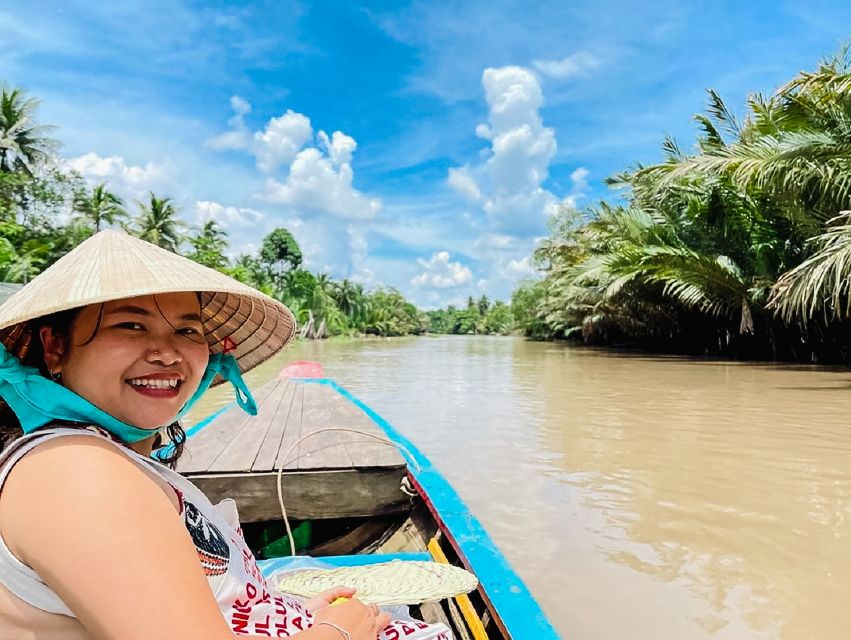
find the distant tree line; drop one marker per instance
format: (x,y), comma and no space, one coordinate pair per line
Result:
(479,317)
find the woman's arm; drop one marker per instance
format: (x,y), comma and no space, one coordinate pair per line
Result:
(107,540)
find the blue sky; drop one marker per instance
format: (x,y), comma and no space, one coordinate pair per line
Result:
(415,144)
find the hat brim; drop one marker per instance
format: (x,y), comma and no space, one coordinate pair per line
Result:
(236,318)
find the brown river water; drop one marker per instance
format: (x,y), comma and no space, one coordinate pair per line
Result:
(638,497)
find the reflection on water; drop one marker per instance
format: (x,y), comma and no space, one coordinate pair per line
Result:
(638,497)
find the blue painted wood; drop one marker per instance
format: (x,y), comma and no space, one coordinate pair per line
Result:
(520,612)
(267,567)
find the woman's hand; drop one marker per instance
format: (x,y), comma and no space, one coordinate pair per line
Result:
(327,597)
(360,621)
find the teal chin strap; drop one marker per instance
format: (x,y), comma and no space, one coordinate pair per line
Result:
(225,365)
(38,401)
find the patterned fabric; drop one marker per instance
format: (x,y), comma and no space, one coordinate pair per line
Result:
(241,591)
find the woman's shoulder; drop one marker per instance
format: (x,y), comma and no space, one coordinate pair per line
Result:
(72,460)
(75,475)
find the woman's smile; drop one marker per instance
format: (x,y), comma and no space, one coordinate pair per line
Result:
(158,385)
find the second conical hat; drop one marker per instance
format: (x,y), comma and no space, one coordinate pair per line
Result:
(112,265)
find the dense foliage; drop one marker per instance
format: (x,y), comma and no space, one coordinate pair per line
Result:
(478,317)
(741,248)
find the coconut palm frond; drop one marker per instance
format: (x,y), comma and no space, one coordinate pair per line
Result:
(719,112)
(822,282)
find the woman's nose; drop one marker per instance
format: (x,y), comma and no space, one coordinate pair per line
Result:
(164,351)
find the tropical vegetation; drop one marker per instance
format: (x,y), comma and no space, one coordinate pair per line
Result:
(741,247)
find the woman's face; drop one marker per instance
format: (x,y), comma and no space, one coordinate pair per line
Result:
(144,362)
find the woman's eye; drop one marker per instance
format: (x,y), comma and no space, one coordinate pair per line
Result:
(189,331)
(135,326)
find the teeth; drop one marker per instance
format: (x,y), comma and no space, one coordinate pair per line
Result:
(153,384)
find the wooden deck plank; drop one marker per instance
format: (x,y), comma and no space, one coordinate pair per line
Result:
(265,460)
(203,447)
(312,494)
(364,451)
(240,452)
(321,410)
(292,432)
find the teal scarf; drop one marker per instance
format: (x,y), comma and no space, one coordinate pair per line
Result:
(38,401)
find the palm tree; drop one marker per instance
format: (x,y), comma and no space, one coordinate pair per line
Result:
(100,207)
(350,298)
(22,143)
(23,264)
(158,224)
(209,245)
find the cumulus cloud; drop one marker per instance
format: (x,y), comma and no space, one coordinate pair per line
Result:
(316,184)
(281,140)
(578,64)
(225,216)
(309,175)
(339,147)
(128,181)
(440,273)
(579,187)
(319,177)
(508,184)
(276,144)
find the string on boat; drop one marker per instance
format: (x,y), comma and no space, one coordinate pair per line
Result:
(285,461)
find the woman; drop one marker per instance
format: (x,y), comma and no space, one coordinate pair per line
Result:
(97,540)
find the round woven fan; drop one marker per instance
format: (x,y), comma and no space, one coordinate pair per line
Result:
(385,583)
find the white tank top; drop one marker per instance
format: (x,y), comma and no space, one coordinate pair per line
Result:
(239,587)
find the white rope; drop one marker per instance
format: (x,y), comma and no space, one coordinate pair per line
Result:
(285,461)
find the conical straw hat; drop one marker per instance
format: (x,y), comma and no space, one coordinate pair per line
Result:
(112,265)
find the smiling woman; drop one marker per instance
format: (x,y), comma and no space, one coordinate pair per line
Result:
(138,359)
(123,338)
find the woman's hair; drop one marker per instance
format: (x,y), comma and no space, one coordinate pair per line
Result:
(61,324)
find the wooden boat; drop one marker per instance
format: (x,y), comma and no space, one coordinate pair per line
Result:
(425,520)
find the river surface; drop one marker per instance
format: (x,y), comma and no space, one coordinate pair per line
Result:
(638,497)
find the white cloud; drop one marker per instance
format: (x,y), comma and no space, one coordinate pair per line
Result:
(580,180)
(241,106)
(238,137)
(282,139)
(440,273)
(519,268)
(128,181)
(226,216)
(508,182)
(578,64)
(483,131)
(339,148)
(315,184)
(464,183)
(277,144)
(319,179)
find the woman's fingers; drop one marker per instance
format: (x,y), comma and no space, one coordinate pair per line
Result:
(327,597)
(339,592)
